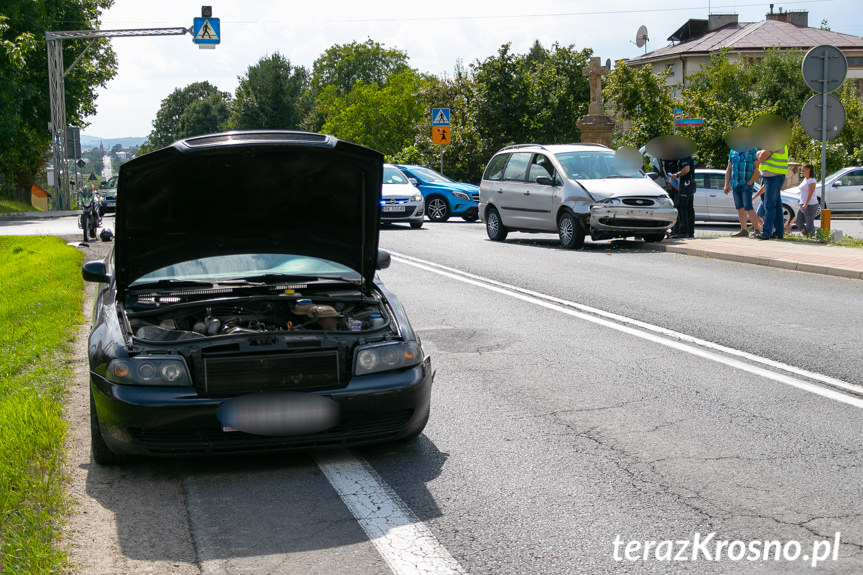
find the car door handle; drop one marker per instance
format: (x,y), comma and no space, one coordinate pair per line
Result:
(527,193)
(500,191)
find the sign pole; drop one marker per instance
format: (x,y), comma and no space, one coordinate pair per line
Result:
(825,212)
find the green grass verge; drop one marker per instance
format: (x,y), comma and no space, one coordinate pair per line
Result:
(40,312)
(11,207)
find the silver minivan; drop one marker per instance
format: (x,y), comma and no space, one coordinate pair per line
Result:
(575,190)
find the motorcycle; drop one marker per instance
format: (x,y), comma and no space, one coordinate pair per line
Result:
(89,220)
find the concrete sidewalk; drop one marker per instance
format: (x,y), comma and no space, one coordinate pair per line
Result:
(786,254)
(37,215)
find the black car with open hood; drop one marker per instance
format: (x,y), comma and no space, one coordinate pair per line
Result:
(239,309)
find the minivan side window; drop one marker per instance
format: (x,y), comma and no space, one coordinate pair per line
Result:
(540,166)
(494,170)
(516,168)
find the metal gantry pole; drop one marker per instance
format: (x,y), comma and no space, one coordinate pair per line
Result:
(57,92)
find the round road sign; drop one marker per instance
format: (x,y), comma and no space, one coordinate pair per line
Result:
(811,116)
(816,76)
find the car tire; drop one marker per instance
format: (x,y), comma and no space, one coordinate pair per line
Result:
(570,231)
(787,214)
(653,238)
(494,227)
(472,218)
(99,450)
(417,225)
(437,209)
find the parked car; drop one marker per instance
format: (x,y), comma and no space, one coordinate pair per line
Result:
(845,190)
(108,191)
(573,189)
(443,197)
(712,204)
(401,201)
(228,323)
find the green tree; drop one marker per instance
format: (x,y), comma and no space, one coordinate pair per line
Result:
(383,118)
(24,96)
(344,65)
(465,155)
(169,126)
(639,96)
(204,116)
(502,99)
(272,94)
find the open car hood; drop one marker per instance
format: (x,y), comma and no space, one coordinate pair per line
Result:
(249,192)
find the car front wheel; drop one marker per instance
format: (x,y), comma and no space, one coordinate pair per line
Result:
(417,225)
(494,227)
(787,214)
(99,450)
(437,209)
(571,231)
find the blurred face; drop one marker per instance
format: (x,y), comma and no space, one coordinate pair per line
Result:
(807,173)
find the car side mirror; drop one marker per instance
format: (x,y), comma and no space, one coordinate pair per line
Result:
(544,181)
(383,263)
(653,176)
(837,184)
(414,181)
(96,272)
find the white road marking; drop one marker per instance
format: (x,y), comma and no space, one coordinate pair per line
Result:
(405,543)
(656,334)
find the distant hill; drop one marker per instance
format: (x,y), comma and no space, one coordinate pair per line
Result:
(90,142)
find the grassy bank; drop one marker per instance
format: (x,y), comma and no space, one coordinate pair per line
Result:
(11,207)
(40,311)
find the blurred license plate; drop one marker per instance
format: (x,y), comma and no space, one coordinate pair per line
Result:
(393,209)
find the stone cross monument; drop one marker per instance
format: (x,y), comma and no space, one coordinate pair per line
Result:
(596,127)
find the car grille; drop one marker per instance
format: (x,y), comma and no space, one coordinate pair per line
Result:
(642,202)
(630,223)
(353,429)
(291,371)
(475,197)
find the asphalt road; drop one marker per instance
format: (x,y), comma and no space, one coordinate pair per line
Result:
(556,429)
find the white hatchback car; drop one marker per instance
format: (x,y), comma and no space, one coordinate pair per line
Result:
(401,201)
(575,190)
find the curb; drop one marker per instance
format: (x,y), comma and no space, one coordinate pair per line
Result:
(756,260)
(38,215)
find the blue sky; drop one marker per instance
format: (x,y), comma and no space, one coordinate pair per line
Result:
(434,34)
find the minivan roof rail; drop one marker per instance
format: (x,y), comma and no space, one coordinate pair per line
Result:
(586,144)
(516,146)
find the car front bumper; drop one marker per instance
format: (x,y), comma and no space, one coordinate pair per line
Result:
(402,213)
(626,220)
(170,421)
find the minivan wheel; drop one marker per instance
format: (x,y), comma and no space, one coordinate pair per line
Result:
(437,209)
(787,215)
(494,227)
(571,231)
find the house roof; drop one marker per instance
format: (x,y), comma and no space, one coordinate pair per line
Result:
(753,36)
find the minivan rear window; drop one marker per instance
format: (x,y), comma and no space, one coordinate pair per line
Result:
(494,170)
(516,168)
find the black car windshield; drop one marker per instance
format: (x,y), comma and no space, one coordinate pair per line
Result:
(430,176)
(592,165)
(239,266)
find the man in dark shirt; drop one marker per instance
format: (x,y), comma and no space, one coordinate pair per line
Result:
(685,175)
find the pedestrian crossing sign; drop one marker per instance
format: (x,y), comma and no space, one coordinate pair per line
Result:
(440,116)
(206,31)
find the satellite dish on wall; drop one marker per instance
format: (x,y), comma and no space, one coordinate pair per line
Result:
(641,37)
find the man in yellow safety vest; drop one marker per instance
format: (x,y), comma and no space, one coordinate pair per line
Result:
(773,168)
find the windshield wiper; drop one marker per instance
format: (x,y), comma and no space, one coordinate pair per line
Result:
(171,283)
(273,278)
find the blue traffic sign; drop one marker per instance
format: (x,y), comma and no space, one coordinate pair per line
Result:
(206,31)
(440,116)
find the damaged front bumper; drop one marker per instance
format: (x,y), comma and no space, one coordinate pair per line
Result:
(621,221)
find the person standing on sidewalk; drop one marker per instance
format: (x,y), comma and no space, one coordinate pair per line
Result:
(740,176)
(808,206)
(685,177)
(773,168)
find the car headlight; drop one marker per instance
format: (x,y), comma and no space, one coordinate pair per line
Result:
(461,195)
(167,371)
(664,203)
(386,357)
(417,197)
(612,201)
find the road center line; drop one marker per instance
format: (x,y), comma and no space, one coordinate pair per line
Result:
(695,346)
(405,543)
